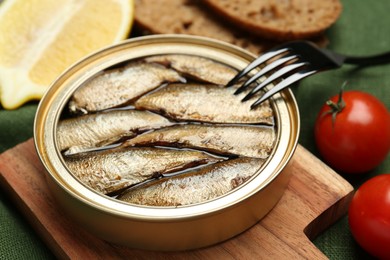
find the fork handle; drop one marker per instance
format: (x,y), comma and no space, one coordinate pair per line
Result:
(369,60)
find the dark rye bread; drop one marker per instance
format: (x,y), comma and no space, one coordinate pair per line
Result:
(191,17)
(279,19)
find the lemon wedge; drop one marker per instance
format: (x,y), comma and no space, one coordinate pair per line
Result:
(39,39)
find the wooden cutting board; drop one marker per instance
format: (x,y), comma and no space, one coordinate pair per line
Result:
(315,198)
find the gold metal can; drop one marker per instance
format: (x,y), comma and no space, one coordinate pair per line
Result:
(159,228)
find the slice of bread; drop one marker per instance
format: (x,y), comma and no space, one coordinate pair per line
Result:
(191,17)
(279,19)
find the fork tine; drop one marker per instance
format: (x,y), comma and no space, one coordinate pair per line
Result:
(265,70)
(283,84)
(263,58)
(274,76)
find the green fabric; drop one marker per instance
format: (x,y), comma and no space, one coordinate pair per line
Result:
(363,29)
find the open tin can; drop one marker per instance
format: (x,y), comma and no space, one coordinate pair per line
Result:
(163,228)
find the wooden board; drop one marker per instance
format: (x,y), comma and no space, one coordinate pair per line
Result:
(315,198)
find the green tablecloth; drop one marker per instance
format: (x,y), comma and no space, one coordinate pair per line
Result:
(363,29)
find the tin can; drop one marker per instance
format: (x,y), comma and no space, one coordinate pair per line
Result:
(159,228)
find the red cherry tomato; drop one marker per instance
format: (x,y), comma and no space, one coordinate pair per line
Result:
(357,138)
(369,216)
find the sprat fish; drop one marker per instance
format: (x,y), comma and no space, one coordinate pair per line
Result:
(205,103)
(196,68)
(117,87)
(250,141)
(196,186)
(95,130)
(112,170)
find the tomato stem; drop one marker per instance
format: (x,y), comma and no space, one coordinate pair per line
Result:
(336,108)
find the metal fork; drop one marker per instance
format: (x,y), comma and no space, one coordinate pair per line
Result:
(292,62)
